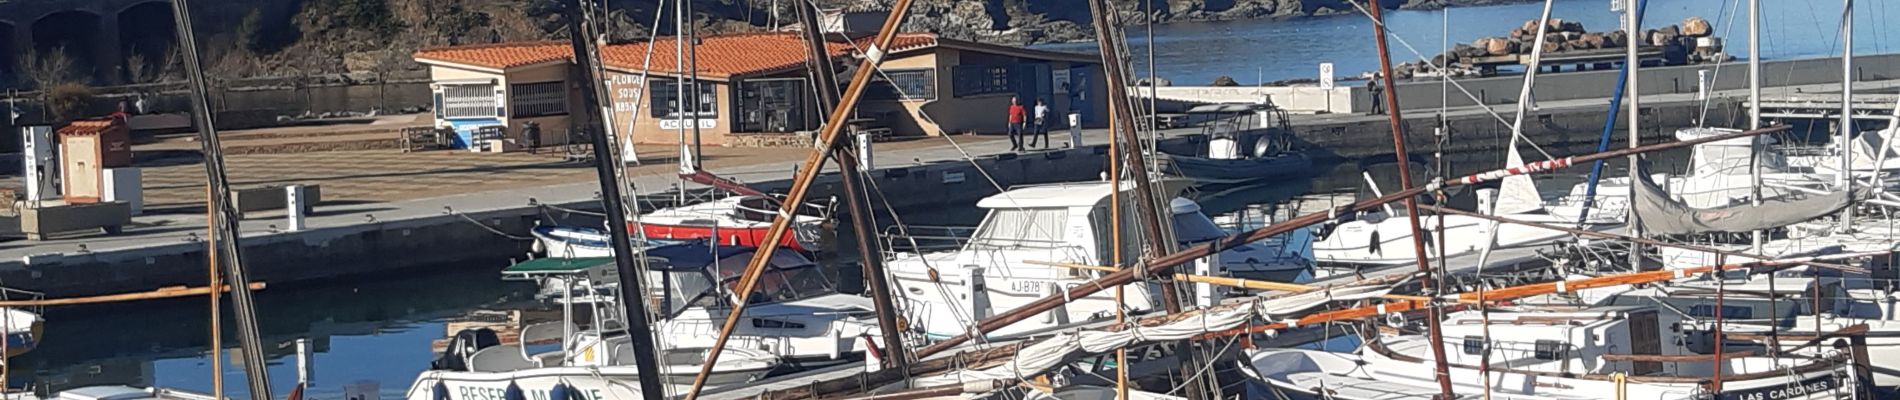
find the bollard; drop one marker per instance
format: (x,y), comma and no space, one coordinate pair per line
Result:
(1075,130)
(294,207)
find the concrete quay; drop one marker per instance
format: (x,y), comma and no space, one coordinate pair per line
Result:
(356,238)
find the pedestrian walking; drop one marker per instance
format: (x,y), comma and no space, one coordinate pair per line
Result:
(1017,117)
(1378,96)
(1042,124)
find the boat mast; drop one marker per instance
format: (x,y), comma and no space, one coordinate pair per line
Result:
(1440,370)
(801,185)
(225,218)
(1754,115)
(1115,241)
(580,14)
(681,118)
(825,84)
(1109,41)
(692,64)
(1846,178)
(1632,27)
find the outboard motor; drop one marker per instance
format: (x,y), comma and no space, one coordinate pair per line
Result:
(462,346)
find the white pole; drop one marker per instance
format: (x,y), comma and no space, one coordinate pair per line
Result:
(1634,35)
(1845,179)
(1754,109)
(303,362)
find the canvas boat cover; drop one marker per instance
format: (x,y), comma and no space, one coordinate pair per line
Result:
(1664,215)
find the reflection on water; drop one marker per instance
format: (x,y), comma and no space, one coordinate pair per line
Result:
(375,329)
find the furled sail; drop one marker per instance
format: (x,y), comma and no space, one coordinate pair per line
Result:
(1664,215)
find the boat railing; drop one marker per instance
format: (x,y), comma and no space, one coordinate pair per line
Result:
(927,237)
(12,294)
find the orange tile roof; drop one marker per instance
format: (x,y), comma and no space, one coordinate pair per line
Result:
(91,126)
(500,55)
(720,57)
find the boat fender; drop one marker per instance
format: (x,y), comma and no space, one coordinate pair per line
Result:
(439,392)
(513,392)
(560,391)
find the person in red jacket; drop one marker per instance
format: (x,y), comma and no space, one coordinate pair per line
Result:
(1017,118)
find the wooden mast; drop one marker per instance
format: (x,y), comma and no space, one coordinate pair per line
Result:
(871,257)
(580,14)
(225,217)
(1441,370)
(1121,111)
(801,184)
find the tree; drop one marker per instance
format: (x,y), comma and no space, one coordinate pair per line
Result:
(67,100)
(47,69)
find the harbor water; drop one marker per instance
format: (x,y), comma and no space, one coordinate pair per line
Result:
(1195,53)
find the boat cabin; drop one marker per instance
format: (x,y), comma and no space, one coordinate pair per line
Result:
(687,274)
(1069,223)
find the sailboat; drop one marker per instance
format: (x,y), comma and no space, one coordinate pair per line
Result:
(1363,241)
(998,269)
(1622,352)
(1786,305)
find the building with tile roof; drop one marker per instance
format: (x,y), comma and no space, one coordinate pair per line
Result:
(755,83)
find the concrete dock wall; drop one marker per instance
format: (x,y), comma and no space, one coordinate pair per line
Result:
(380,247)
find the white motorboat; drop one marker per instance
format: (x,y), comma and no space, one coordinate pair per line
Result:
(1622,352)
(1062,223)
(796,313)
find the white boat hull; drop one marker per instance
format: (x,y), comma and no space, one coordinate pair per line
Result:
(1389,241)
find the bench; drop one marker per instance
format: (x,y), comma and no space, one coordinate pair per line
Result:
(52,219)
(271,198)
(425,138)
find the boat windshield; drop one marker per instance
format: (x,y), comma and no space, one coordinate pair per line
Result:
(687,289)
(1021,228)
(1194,227)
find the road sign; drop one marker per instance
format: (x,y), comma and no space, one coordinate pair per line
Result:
(1326,76)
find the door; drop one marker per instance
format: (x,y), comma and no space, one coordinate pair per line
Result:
(1645,339)
(82,180)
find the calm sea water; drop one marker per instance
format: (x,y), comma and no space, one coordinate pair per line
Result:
(1253,51)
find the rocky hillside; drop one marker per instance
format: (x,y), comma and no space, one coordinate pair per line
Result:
(371,39)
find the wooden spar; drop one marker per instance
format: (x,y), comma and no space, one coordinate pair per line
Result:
(1006,351)
(164,293)
(1721,293)
(1511,293)
(801,184)
(1222,281)
(1115,238)
(1606,235)
(1440,370)
(217,317)
(1108,39)
(581,34)
(824,83)
(1165,264)
(1632,278)
(250,347)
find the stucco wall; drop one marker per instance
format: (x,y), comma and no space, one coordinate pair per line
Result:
(626,91)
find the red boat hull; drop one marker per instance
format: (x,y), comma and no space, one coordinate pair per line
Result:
(727,236)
